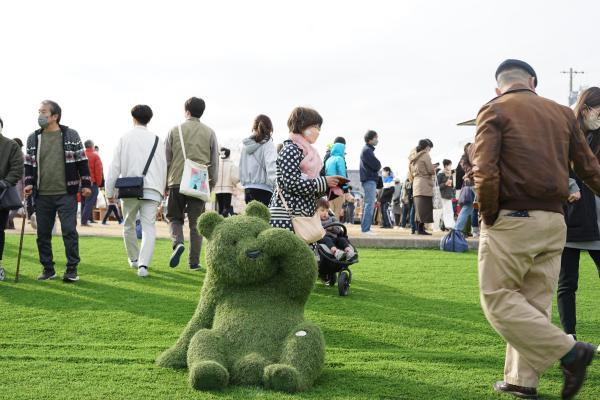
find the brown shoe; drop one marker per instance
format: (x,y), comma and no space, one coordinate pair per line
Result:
(518,391)
(575,372)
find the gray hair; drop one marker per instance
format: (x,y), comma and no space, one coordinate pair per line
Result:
(88,144)
(511,76)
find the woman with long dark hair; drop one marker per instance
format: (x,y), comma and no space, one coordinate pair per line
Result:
(257,162)
(582,215)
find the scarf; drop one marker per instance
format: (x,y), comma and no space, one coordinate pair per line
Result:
(311,164)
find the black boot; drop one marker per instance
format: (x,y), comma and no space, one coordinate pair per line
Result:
(422,230)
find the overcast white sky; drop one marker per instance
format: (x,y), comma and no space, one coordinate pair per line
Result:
(407,69)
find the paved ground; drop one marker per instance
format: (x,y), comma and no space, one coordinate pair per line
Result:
(384,238)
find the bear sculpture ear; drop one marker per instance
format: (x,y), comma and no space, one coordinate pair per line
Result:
(208,222)
(259,210)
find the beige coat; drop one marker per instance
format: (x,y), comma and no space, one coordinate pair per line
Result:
(228,177)
(422,173)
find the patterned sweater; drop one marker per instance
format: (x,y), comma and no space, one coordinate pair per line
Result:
(300,193)
(76,164)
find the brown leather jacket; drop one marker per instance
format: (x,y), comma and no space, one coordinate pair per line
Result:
(523,147)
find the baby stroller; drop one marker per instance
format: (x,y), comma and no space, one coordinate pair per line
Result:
(332,270)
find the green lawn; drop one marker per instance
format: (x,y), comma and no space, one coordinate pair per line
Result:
(412,328)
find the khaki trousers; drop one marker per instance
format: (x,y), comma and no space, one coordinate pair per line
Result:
(519,264)
(337,206)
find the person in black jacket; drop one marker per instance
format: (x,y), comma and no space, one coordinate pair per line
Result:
(369,175)
(582,215)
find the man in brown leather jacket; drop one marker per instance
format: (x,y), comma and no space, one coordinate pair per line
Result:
(523,148)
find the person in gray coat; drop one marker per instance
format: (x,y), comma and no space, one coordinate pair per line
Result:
(258,169)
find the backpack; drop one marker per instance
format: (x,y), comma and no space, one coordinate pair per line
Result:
(454,241)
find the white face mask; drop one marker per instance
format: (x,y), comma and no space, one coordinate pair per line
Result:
(592,121)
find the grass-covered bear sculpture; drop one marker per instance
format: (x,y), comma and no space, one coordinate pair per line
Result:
(249,328)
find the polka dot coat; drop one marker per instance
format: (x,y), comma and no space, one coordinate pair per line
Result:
(300,193)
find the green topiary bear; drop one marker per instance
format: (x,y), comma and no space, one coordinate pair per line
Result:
(249,326)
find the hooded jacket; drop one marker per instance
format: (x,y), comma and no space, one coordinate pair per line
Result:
(258,169)
(421,172)
(335,164)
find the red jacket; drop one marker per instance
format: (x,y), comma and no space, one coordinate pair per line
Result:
(96,171)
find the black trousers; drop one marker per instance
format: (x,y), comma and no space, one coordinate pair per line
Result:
(3,219)
(112,208)
(264,196)
(46,209)
(339,242)
(567,286)
(224,204)
(385,215)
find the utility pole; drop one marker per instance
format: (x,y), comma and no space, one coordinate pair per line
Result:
(572,94)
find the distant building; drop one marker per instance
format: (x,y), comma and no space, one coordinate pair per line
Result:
(354,176)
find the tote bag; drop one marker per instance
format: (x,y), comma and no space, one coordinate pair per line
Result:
(437,195)
(195,179)
(308,229)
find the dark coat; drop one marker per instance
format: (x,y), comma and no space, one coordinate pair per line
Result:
(369,164)
(447,192)
(580,216)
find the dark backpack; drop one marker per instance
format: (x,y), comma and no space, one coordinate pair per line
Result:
(454,241)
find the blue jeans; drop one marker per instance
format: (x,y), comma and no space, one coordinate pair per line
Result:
(465,212)
(369,205)
(413,223)
(88,204)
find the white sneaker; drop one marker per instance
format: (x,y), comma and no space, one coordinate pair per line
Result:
(33,221)
(369,233)
(350,253)
(143,272)
(133,264)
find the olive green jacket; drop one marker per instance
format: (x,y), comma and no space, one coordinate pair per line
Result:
(200,146)
(11,161)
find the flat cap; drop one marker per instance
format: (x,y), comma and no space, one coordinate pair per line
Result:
(512,63)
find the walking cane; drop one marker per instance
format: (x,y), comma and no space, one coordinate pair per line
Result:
(21,240)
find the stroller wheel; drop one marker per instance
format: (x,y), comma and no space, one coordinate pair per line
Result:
(344,282)
(2,274)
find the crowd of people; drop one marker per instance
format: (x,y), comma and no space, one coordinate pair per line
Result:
(526,213)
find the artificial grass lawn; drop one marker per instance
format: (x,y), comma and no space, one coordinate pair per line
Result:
(411,328)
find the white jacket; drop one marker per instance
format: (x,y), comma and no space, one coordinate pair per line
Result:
(130,157)
(228,176)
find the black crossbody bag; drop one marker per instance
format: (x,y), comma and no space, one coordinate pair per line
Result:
(133,187)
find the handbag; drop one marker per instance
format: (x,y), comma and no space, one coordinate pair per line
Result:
(9,199)
(194,179)
(437,195)
(308,229)
(133,186)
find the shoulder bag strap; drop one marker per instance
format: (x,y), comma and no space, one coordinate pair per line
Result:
(181,141)
(151,157)
(284,203)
